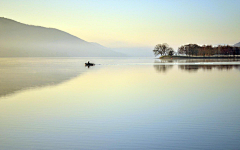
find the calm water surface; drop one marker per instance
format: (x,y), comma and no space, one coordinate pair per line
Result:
(127,103)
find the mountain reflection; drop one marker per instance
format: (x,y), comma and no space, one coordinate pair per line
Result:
(165,65)
(18,74)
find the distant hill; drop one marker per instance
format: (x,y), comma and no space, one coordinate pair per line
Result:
(21,40)
(136,51)
(99,45)
(237,44)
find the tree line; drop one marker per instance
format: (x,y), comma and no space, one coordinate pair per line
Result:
(197,50)
(208,50)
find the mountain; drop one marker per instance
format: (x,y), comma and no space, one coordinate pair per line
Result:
(135,51)
(132,51)
(99,45)
(237,44)
(21,40)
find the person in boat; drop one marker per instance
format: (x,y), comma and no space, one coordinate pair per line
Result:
(89,64)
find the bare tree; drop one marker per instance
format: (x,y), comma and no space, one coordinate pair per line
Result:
(162,49)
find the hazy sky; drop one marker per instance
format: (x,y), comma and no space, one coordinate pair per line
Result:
(133,23)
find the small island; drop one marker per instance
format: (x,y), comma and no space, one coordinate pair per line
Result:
(194,51)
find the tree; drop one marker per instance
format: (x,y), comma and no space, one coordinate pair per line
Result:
(192,49)
(171,52)
(208,50)
(181,50)
(162,49)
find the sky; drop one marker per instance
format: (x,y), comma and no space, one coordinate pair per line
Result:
(133,23)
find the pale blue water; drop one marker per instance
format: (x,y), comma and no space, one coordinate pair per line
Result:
(121,103)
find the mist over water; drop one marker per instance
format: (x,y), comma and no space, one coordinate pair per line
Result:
(120,103)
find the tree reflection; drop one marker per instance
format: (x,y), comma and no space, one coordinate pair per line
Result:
(192,68)
(163,67)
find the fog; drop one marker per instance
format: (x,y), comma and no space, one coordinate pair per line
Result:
(20,40)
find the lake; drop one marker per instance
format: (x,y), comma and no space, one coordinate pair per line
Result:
(120,103)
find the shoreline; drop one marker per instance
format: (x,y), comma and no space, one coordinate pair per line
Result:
(194,57)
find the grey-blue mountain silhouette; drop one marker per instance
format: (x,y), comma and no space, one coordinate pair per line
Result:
(21,40)
(131,51)
(237,44)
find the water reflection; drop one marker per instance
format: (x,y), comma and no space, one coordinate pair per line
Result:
(194,60)
(17,74)
(165,65)
(88,66)
(122,107)
(192,68)
(163,68)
